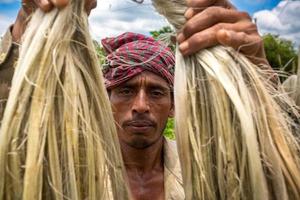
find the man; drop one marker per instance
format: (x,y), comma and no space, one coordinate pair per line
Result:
(141,97)
(139,79)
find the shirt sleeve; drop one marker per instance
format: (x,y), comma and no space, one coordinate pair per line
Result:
(9,52)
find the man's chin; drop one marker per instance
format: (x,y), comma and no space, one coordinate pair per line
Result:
(140,143)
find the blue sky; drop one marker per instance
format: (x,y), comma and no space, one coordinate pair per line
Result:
(253,6)
(9,8)
(113,17)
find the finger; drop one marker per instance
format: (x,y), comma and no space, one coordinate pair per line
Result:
(60,3)
(250,45)
(200,3)
(208,3)
(190,12)
(241,41)
(208,37)
(236,40)
(45,5)
(193,10)
(28,6)
(197,42)
(210,17)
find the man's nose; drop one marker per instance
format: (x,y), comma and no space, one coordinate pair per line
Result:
(141,103)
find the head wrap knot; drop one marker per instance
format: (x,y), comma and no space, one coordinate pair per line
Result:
(130,54)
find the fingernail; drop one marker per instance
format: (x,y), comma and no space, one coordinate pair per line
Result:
(61,3)
(189,13)
(184,47)
(180,38)
(45,2)
(188,2)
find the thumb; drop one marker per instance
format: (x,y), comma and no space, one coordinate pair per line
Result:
(60,3)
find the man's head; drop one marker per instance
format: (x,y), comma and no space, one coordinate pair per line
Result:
(139,78)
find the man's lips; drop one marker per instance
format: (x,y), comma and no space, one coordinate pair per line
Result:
(139,126)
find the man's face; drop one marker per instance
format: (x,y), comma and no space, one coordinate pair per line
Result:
(141,107)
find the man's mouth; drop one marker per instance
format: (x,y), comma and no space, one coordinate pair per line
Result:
(139,126)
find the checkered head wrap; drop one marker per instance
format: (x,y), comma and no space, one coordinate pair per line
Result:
(130,54)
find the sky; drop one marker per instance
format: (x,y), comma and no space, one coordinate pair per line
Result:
(113,17)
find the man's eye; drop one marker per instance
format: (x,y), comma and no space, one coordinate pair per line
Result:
(125,91)
(157,93)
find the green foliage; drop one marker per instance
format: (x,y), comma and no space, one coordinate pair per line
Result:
(169,130)
(281,53)
(100,53)
(163,30)
(166,35)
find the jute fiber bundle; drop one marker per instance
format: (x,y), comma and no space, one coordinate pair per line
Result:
(58,139)
(235,139)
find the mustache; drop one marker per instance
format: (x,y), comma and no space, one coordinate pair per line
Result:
(139,121)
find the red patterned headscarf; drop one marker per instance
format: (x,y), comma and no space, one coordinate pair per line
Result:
(131,53)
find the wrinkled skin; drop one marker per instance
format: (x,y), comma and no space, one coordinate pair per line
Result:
(212,22)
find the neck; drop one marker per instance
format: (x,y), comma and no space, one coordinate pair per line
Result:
(143,160)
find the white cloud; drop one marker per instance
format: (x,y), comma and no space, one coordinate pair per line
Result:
(283,20)
(113,17)
(5,22)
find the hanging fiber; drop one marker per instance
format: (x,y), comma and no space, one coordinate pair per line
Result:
(233,128)
(58,139)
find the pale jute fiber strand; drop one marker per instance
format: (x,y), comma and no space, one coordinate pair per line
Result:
(58,139)
(233,128)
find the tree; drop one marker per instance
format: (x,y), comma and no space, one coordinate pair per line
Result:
(163,30)
(167,35)
(281,54)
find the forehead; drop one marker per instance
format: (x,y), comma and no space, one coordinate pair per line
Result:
(146,78)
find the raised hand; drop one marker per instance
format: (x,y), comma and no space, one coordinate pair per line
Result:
(212,22)
(28,6)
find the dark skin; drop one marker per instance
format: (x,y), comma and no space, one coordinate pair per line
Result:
(212,22)
(141,122)
(141,107)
